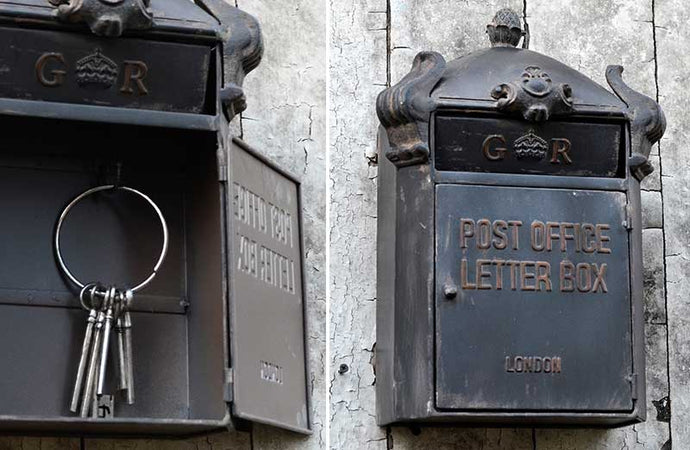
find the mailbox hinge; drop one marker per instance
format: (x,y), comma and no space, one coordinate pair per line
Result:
(633,385)
(228,385)
(628,224)
(222,173)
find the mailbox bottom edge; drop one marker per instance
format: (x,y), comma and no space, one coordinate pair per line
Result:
(522,419)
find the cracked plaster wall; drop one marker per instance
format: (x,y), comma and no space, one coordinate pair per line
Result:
(285,119)
(372,44)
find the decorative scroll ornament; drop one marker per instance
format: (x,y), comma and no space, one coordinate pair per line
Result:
(534,96)
(108,18)
(647,122)
(242,52)
(530,146)
(404,110)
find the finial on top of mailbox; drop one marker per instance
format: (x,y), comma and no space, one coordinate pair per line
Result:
(505,79)
(505,29)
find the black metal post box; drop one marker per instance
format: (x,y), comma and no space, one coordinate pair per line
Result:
(137,95)
(509,258)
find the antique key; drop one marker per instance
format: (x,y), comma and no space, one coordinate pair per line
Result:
(86,345)
(125,363)
(94,359)
(120,362)
(112,299)
(129,359)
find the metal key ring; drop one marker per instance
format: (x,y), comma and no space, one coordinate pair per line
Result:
(89,287)
(66,211)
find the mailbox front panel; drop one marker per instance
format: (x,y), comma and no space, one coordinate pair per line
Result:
(43,65)
(267,313)
(500,145)
(542,315)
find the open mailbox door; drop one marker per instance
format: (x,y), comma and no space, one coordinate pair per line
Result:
(109,99)
(267,293)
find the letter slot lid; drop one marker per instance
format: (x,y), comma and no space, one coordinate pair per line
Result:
(139,94)
(509,254)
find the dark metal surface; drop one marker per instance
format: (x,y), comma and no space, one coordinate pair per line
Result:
(404,110)
(116,116)
(106,17)
(169,16)
(267,307)
(474,77)
(533,311)
(133,73)
(534,96)
(647,122)
(242,51)
(499,145)
(506,134)
(203,22)
(505,29)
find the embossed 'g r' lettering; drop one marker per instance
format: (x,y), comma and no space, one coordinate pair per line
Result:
(135,71)
(56,77)
(560,147)
(498,153)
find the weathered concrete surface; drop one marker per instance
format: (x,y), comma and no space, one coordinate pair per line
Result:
(212,442)
(588,35)
(357,38)
(652,216)
(672,37)
(31,443)
(653,181)
(654,282)
(451,28)
(463,438)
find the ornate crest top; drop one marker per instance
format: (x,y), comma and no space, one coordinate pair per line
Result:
(516,83)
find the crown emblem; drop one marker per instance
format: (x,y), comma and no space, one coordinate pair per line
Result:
(96,70)
(530,146)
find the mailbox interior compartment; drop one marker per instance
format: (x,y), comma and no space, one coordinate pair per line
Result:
(180,348)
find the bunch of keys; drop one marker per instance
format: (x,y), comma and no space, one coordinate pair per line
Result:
(108,309)
(106,306)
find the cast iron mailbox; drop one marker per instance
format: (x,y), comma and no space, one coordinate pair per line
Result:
(509,258)
(139,94)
